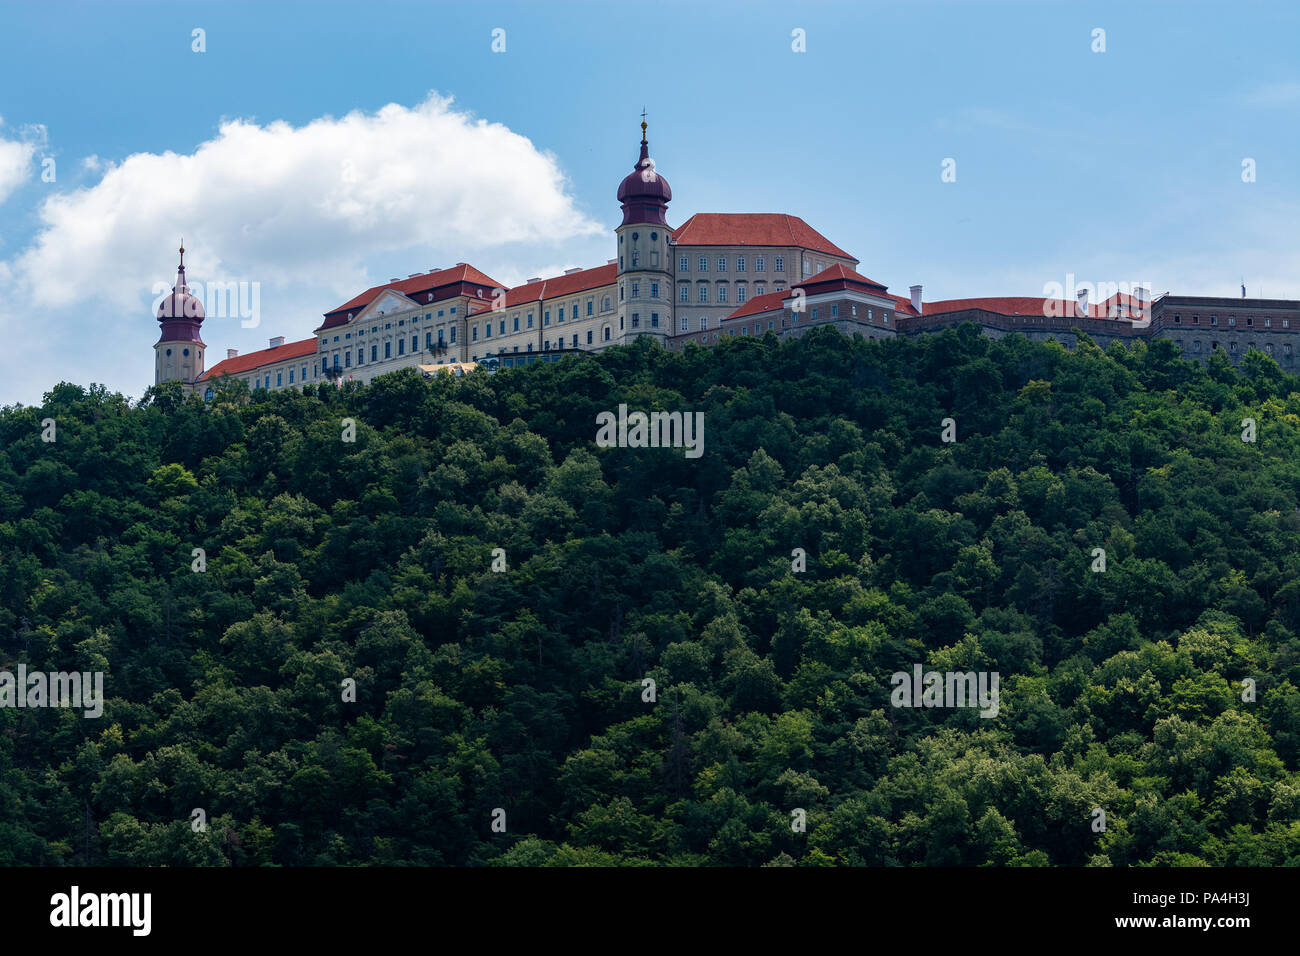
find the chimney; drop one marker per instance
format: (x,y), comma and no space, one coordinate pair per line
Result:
(277,341)
(231,353)
(916,299)
(1083,302)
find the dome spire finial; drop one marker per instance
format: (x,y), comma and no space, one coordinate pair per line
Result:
(181,287)
(643,127)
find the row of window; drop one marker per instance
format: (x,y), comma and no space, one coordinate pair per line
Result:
(1232,321)
(760,264)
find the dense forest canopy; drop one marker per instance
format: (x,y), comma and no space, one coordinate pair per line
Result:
(327,562)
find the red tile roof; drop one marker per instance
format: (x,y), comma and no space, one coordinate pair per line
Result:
(759,304)
(575,282)
(1012,305)
(841,275)
(903,304)
(753,229)
(417,285)
(246,363)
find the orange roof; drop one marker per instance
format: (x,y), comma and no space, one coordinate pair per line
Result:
(753,229)
(903,304)
(246,363)
(421,283)
(1013,305)
(760,304)
(575,282)
(839,273)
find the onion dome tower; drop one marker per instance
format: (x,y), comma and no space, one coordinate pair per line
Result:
(178,353)
(645,282)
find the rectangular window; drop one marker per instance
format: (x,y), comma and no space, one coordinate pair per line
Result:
(473,333)
(740,263)
(684,293)
(654,291)
(374,353)
(453,333)
(835,311)
(401,346)
(704,264)
(722,293)
(279,377)
(530,320)
(574,313)
(704,322)
(760,263)
(415,343)
(636,289)
(590,306)
(779,264)
(740,293)
(516,328)
(502,328)
(654,320)
(686,324)
(636,320)
(722,263)
(388,350)
(546,317)
(704,293)
(683,264)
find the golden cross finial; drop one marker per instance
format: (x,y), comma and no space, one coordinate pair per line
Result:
(182,250)
(643,122)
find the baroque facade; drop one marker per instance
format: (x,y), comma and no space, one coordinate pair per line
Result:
(714,276)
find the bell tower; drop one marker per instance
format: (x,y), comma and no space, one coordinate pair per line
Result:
(178,353)
(645,278)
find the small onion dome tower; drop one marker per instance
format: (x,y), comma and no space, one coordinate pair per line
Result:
(178,353)
(645,282)
(643,192)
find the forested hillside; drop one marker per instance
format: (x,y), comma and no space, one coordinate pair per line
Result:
(329,561)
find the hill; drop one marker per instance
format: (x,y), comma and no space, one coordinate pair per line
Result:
(339,676)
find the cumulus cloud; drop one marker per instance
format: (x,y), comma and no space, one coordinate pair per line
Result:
(15,163)
(286,205)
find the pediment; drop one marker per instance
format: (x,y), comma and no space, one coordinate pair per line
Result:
(386,303)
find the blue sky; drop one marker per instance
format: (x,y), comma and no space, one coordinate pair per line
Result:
(1117,166)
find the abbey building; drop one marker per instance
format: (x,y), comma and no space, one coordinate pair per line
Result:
(716,275)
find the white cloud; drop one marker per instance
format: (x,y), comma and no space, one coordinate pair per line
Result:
(15,163)
(286,206)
